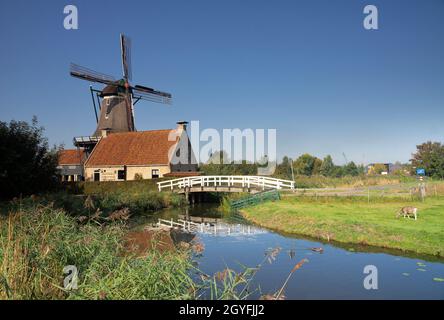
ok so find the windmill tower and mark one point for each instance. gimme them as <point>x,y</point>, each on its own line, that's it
<point>117,98</point>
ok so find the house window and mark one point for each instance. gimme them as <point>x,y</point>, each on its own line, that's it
<point>155,173</point>
<point>121,175</point>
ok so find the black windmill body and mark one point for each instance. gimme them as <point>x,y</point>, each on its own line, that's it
<point>118,98</point>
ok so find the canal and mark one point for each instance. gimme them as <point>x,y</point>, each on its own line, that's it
<point>336,272</point>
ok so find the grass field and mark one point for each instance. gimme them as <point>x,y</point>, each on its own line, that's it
<point>318,181</point>
<point>358,221</point>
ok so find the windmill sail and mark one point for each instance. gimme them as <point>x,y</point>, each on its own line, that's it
<point>125,45</point>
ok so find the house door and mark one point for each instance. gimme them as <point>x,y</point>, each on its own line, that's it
<point>96,175</point>
<point>155,173</point>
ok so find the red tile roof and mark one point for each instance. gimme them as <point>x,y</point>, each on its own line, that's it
<point>71,156</point>
<point>132,148</point>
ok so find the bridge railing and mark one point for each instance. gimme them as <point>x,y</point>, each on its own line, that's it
<point>260,182</point>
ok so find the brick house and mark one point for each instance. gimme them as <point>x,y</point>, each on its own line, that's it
<point>141,155</point>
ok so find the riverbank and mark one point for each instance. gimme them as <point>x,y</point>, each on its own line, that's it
<point>138,196</point>
<point>356,220</point>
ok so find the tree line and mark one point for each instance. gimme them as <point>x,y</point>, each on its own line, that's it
<point>429,156</point>
<point>308,165</point>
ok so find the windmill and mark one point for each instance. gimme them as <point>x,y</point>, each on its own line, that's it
<point>118,98</point>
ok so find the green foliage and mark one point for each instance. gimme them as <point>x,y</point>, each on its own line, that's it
<point>430,156</point>
<point>104,187</point>
<point>220,164</point>
<point>350,169</point>
<point>304,165</point>
<point>27,165</point>
<point>308,165</point>
<point>327,166</point>
<point>284,170</point>
<point>138,177</point>
<point>348,181</point>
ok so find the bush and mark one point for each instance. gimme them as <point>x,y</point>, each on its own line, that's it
<point>138,177</point>
<point>27,165</point>
<point>138,196</point>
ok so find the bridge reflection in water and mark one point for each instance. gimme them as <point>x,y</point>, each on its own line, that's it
<point>215,228</point>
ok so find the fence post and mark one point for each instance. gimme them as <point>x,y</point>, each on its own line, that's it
<point>368,194</point>
<point>423,191</point>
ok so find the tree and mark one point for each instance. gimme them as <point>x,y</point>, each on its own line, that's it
<point>337,172</point>
<point>283,169</point>
<point>350,169</point>
<point>327,166</point>
<point>220,164</point>
<point>437,164</point>
<point>317,164</point>
<point>430,156</point>
<point>27,165</point>
<point>304,165</point>
<point>361,169</point>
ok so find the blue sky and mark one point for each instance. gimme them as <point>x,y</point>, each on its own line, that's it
<point>307,68</point>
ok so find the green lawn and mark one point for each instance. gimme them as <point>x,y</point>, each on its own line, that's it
<point>357,221</point>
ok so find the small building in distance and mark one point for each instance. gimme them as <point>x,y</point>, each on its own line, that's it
<point>141,155</point>
<point>70,164</point>
<point>385,168</point>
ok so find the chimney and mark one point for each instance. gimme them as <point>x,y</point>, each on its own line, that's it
<point>104,133</point>
<point>182,125</point>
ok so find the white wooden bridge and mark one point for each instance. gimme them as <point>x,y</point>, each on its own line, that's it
<point>220,229</point>
<point>250,184</point>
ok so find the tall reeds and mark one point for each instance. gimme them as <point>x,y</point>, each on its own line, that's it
<point>37,242</point>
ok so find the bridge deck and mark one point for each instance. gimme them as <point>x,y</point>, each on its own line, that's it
<point>250,184</point>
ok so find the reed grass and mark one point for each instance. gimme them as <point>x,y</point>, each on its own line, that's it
<point>318,181</point>
<point>36,243</point>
